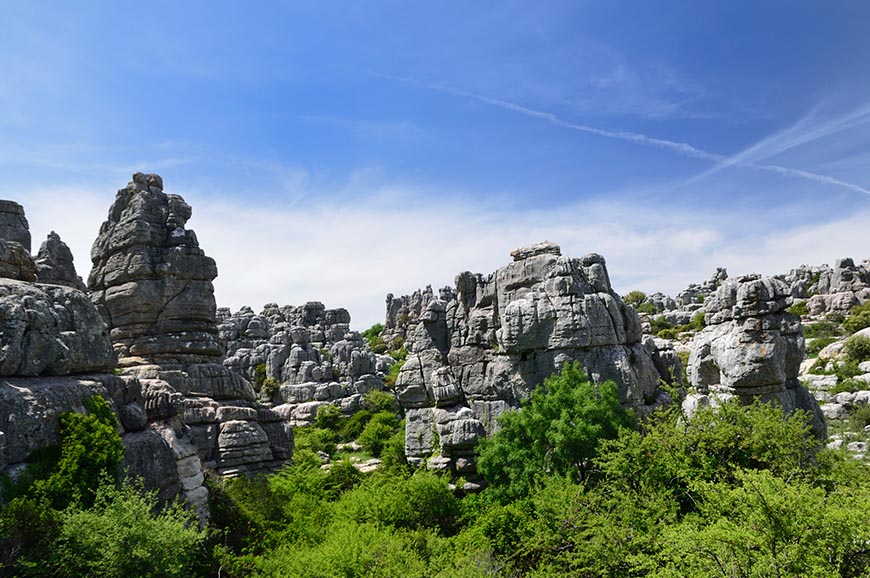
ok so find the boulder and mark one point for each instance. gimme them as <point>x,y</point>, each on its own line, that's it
<point>54,264</point>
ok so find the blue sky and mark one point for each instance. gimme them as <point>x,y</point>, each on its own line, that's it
<point>338,151</point>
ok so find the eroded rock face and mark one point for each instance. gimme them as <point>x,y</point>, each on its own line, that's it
<point>15,260</point>
<point>831,289</point>
<point>751,347</point>
<point>478,355</point>
<point>54,264</point>
<point>403,313</point>
<point>14,225</point>
<point>153,286</point>
<point>308,354</point>
<point>50,330</point>
<point>152,282</point>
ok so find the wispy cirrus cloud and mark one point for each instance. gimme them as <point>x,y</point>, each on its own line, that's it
<point>682,148</point>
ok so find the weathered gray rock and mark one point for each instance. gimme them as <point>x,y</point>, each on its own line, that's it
<point>50,330</point>
<point>477,355</point>
<point>752,347</point>
<point>54,264</point>
<point>13,224</point>
<point>152,282</point>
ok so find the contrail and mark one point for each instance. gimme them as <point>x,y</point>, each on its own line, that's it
<point>681,148</point>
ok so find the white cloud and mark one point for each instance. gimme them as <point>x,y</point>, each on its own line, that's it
<point>351,255</point>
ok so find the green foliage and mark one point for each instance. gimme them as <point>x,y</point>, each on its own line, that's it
<point>800,309</point>
<point>315,439</point>
<point>400,354</point>
<point>857,348</point>
<point>90,449</point>
<point>821,329</point>
<point>352,427</point>
<point>647,308</point>
<point>393,457</point>
<point>377,401</point>
<point>697,323</point>
<point>259,376</point>
<point>373,336</point>
<point>819,343</point>
<point>270,387</point>
<point>859,318</point>
<point>634,298</point>
<point>658,324</point>
<point>556,432</point>
<point>327,417</point>
<point>393,374</point>
<point>848,385</point>
<point>381,427</point>
<point>860,418</point>
<point>120,537</point>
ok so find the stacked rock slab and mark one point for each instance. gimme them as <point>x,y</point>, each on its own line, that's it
<point>153,286</point>
<point>403,313</point>
<point>55,353</point>
<point>308,354</point>
<point>751,348</point>
<point>15,259</point>
<point>478,355</point>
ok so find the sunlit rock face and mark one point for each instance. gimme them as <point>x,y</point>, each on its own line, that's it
<point>752,347</point>
<point>479,354</point>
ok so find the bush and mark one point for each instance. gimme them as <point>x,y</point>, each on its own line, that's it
<point>315,439</point>
<point>259,376</point>
<point>373,336</point>
<point>860,418</point>
<point>327,417</point>
<point>634,298</point>
<point>859,318</point>
<point>556,432</point>
<point>848,385</point>
<point>857,348</point>
<point>647,308</point>
<point>393,374</point>
<point>819,343</point>
<point>800,309</point>
<point>658,324</point>
<point>821,329</point>
<point>378,401</point>
<point>353,426</point>
<point>671,333</point>
<point>380,428</point>
<point>270,387</point>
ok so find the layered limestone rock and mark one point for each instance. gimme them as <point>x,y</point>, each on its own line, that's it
<point>751,348</point>
<point>478,355</point>
<point>301,358</point>
<point>54,264</point>
<point>403,313</point>
<point>15,259</point>
<point>153,286</point>
<point>688,302</point>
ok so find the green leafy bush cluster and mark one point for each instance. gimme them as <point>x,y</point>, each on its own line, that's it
<point>858,319</point>
<point>819,343</point>
<point>857,348</point>
<point>822,329</point>
<point>76,515</point>
<point>634,298</point>
<point>800,309</point>
<point>647,308</point>
<point>661,328</point>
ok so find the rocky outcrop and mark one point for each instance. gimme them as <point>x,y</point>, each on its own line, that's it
<point>54,264</point>
<point>478,355</point>
<point>301,358</point>
<point>751,348</point>
<point>50,330</point>
<point>153,286</point>
<point>403,313</point>
<point>15,260</point>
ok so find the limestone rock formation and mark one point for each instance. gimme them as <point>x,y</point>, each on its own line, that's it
<point>54,264</point>
<point>308,354</point>
<point>751,348</point>
<point>479,354</point>
<point>403,313</point>
<point>15,259</point>
<point>153,286</point>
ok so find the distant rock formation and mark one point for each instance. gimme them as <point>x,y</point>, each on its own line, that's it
<point>478,355</point>
<point>403,313</point>
<point>54,264</point>
<point>153,286</point>
<point>751,348</point>
<point>309,355</point>
<point>15,260</point>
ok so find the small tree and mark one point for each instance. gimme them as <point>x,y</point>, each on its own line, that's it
<point>556,432</point>
<point>635,298</point>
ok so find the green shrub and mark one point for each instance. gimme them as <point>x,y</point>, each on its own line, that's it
<point>858,319</point>
<point>378,401</point>
<point>393,458</point>
<point>671,333</point>
<point>857,348</point>
<point>315,439</point>
<point>859,418</point>
<point>352,427</point>
<point>647,308</point>
<point>634,298</point>
<point>557,431</point>
<point>848,385</point>
<point>259,376</point>
<point>270,387</point>
<point>121,537</point>
<point>698,323</point>
<point>373,336</point>
<point>658,324</point>
<point>327,417</point>
<point>380,428</point>
<point>393,374</point>
<point>821,329</point>
<point>819,343</point>
<point>400,353</point>
<point>800,309</point>
<point>342,476</point>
